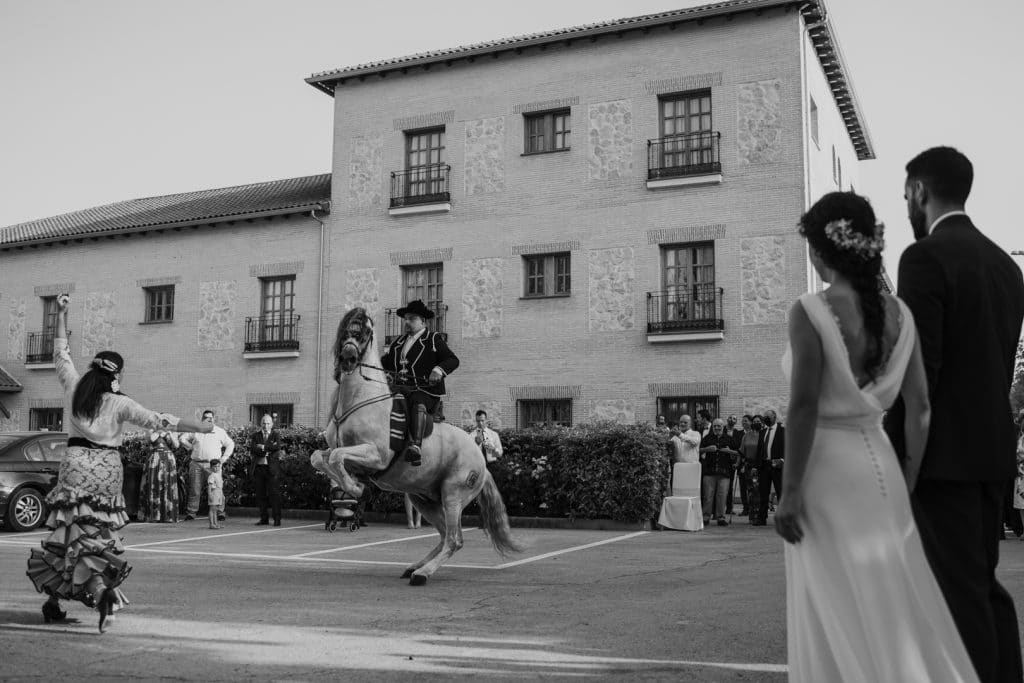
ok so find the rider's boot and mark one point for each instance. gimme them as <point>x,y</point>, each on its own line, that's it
<point>417,426</point>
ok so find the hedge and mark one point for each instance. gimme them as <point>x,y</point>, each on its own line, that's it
<point>603,471</point>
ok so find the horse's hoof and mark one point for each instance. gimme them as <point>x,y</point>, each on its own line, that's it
<point>418,580</point>
<point>407,573</point>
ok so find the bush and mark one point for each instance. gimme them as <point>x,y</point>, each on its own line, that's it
<point>607,470</point>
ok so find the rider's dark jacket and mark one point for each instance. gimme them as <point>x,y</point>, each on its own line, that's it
<point>428,352</point>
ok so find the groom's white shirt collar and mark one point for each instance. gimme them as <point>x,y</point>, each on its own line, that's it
<point>944,217</point>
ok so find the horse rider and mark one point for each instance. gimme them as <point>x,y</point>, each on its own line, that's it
<point>418,361</point>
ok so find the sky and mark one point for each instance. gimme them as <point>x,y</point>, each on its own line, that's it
<point>108,100</point>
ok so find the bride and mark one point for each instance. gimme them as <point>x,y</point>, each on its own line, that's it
<point>862,603</point>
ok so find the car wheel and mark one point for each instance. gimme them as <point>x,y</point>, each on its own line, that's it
<point>26,511</point>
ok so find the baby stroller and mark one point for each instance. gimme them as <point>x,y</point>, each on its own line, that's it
<point>338,503</point>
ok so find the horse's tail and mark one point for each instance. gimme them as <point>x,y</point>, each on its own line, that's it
<point>494,519</point>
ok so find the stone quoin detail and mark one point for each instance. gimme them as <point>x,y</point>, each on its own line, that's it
<point>98,323</point>
<point>618,410</point>
<point>362,288</point>
<point>759,122</point>
<point>763,295</point>
<point>366,172</point>
<point>16,331</point>
<point>485,156</point>
<point>217,306</point>
<point>610,139</point>
<point>481,298</point>
<point>612,300</point>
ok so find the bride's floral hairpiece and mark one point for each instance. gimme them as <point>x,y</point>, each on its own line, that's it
<point>840,232</point>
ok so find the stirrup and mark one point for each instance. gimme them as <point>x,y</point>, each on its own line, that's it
<point>412,455</point>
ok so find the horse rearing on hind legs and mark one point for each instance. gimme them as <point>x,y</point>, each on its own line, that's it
<point>358,435</point>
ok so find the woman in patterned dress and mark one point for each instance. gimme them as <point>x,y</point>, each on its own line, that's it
<point>81,560</point>
<point>160,503</point>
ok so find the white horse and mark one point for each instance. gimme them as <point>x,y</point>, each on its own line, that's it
<point>453,472</point>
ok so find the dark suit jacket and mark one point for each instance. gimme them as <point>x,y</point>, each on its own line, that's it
<point>427,352</point>
<point>274,449</point>
<point>967,297</point>
<point>778,445</point>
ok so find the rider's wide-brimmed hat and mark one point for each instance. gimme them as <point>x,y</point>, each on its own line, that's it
<point>416,307</point>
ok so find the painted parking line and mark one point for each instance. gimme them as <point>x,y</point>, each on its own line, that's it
<point>294,559</point>
<point>573,549</point>
<point>367,545</point>
<point>210,536</point>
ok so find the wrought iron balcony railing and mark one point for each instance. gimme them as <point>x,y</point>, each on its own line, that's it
<point>39,347</point>
<point>421,185</point>
<point>684,155</point>
<point>394,327</point>
<point>694,308</point>
<point>274,332</point>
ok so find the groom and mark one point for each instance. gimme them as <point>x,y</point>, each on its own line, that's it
<point>967,297</point>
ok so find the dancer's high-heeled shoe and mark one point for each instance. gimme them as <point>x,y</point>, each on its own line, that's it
<point>52,612</point>
<point>105,606</point>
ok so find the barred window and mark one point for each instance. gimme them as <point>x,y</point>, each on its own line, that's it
<point>674,407</point>
<point>281,412</point>
<point>159,304</point>
<point>46,419</point>
<point>548,411</point>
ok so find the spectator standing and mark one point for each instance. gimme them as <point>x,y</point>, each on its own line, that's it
<point>736,434</point>
<point>770,459</point>
<point>413,518</point>
<point>747,426</point>
<point>216,445</point>
<point>1018,488</point>
<point>661,425</point>
<point>266,448</point>
<point>486,438</point>
<point>689,441</point>
<point>703,422</point>
<point>160,486</point>
<point>719,464</point>
<point>215,493</point>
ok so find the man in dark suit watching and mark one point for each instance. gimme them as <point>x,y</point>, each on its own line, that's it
<point>771,454</point>
<point>265,470</point>
<point>967,297</point>
<point>419,361</point>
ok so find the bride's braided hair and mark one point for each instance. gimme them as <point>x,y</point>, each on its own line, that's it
<point>858,258</point>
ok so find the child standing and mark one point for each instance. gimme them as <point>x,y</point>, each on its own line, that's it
<point>215,492</point>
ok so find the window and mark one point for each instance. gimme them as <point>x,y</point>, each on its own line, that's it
<point>46,419</point>
<point>814,121</point>
<point>49,316</point>
<point>688,274</point>
<point>159,304</point>
<point>674,407</point>
<point>424,161</point>
<point>547,275</point>
<point>281,412</point>
<point>424,282</point>
<point>548,411</point>
<point>688,139</point>
<point>547,131</point>
<point>277,309</point>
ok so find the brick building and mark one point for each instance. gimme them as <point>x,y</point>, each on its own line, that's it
<point>602,216</point>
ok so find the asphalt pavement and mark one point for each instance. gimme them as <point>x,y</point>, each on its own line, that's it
<point>298,603</point>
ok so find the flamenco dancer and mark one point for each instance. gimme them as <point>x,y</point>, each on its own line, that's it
<point>81,560</point>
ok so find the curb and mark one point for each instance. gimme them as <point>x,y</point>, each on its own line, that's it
<point>398,517</point>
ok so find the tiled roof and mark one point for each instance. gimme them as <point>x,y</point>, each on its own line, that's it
<point>7,383</point>
<point>188,208</point>
<point>814,12</point>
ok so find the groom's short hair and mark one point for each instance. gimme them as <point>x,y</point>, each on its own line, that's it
<point>945,171</point>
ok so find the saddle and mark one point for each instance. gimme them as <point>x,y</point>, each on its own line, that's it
<point>400,425</point>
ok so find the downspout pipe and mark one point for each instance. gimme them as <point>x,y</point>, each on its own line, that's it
<point>319,320</point>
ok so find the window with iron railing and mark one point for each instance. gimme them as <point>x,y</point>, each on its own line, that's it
<point>688,144</point>
<point>425,178</point>
<point>277,326</point>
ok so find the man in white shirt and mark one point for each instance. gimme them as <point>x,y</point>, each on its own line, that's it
<point>216,445</point>
<point>685,442</point>
<point>487,439</point>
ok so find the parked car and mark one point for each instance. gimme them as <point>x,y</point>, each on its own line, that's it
<point>29,462</point>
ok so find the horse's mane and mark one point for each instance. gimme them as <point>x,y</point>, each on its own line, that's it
<point>357,315</point>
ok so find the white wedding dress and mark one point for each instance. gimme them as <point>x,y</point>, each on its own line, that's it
<point>862,604</point>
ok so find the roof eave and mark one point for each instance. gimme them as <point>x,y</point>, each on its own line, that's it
<point>270,213</point>
<point>325,81</point>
